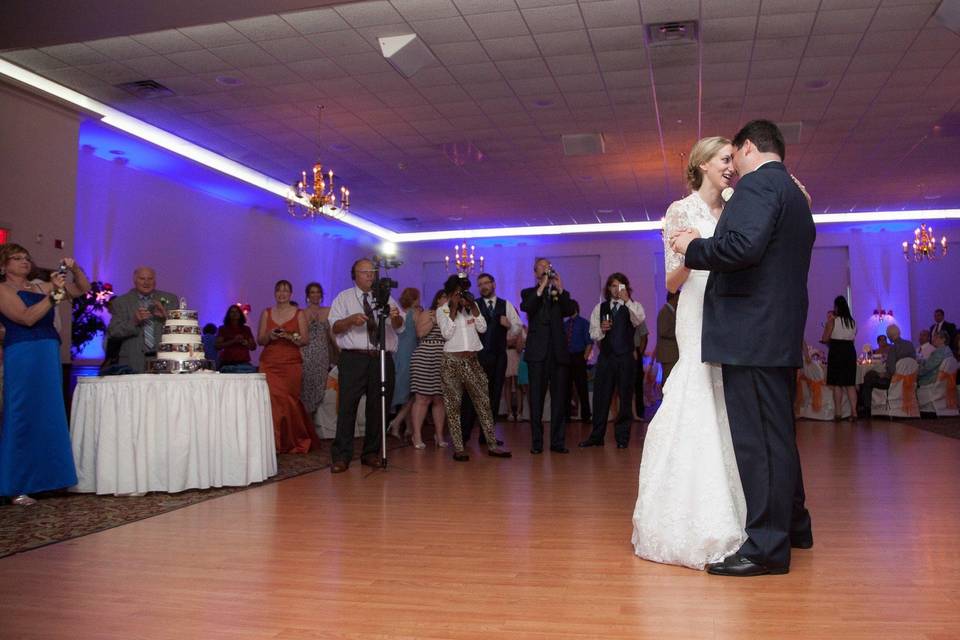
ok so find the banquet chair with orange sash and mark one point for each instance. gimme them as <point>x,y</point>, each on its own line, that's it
<point>900,400</point>
<point>941,396</point>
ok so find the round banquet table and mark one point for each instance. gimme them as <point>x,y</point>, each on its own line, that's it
<point>170,432</point>
<point>865,367</point>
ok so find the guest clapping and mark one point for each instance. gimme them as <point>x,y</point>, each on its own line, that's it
<point>283,330</point>
<point>461,324</point>
<point>35,451</point>
<point>137,318</point>
<point>234,341</point>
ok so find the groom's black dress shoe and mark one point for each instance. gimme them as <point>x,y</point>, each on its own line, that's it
<point>801,542</point>
<point>590,442</point>
<point>536,450</point>
<point>741,567</point>
<point>559,449</point>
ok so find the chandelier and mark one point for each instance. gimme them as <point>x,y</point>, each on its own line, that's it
<point>317,197</point>
<point>924,245</point>
<point>463,261</point>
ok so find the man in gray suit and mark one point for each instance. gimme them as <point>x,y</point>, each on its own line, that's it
<point>899,350</point>
<point>137,319</point>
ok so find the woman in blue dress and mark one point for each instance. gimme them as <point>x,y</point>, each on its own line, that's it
<point>35,451</point>
<point>407,342</point>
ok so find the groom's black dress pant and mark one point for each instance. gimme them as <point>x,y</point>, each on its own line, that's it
<point>760,407</point>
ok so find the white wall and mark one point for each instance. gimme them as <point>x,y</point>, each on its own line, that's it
<point>878,275</point>
<point>212,251</point>
<point>38,145</point>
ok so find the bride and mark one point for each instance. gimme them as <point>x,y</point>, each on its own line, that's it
<point>690,509</point>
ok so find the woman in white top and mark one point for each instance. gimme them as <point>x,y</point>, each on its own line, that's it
<point>839,332</point>
<point>460,323</point>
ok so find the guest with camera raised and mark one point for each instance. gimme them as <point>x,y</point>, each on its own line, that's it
<point>461,324</point>
<point>137,318</point>
<point>354,321</point>
<point>612,325</point>
<point>546,305</point>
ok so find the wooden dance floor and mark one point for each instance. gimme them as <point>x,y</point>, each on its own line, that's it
<point>533,547</point>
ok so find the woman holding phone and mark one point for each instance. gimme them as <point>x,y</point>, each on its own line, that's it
<point>282,331</point>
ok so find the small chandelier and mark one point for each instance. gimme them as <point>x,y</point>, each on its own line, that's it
<point>463,261</point>
<point>321,201</point>
<point>924,245</point>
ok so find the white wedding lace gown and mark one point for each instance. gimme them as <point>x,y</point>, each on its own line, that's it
<point>690,508</point>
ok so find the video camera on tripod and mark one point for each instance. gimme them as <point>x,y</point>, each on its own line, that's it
<point>383,285</point>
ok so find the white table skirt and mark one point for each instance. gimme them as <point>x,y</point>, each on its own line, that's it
<point>171,432</point>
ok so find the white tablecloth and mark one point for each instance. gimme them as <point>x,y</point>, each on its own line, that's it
<point>171,432</point>
<point>864,368</point>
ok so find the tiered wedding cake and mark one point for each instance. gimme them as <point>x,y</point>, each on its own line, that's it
<point>181,349</point>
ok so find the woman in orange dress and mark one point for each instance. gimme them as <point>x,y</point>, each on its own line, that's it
<point>283,330</point>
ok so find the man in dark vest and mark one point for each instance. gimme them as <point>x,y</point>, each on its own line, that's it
<point>613,324</point>
<point>546,304</point>
<point>503,322</point>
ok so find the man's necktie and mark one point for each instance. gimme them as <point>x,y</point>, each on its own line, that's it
<point>371,320</point>
<point>490,306</point>
<point>149,338</point>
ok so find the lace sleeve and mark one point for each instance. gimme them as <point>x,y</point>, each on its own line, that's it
<point>675,219</point>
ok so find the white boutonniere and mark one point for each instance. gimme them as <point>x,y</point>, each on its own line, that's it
<point>726,194</point>
<point>446,311</point>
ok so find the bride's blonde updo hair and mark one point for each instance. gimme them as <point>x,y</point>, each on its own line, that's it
<point>703,151</point>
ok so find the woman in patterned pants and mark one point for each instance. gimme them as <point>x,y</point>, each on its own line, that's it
<point>460,324</point>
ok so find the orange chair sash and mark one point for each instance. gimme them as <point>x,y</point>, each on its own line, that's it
<point>909,399</point>
<point>816,394</point>
<point>950,380</point>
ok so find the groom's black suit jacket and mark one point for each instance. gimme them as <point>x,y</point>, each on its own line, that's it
<point>755,305</point>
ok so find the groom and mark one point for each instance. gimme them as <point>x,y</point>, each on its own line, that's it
<point>754,311</point>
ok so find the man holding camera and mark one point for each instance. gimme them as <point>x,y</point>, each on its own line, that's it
<point>546,305</point>
<point>137,318</point>
<point>354,322</point>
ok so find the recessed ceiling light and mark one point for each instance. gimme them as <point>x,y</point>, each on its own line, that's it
<point>586,178</point>
<point>118,152</point>
<point>229,81</point>
<point>340,146</point>
<point>542,103</point>
<point>816,85</point>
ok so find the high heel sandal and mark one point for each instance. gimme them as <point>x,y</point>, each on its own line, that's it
<point>24,500</point>
<point>443,444</point>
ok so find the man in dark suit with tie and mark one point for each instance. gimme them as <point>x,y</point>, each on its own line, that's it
<point>546,305</point>
<point>754,311</point>
<point>940,324</point>
<point>502,322</point>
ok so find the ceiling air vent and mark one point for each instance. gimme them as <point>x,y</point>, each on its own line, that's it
<point>790,131</point>
<point>582,144</point>
<point>146,89</point>
<point>666,33</point>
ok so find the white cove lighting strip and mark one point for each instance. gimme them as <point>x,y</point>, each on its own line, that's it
<point>191,151</point>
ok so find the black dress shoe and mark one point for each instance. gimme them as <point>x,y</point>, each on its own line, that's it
<point>461,456</point>
<point>536,450</point>
<point>621,445</point>
<point>742,567</point>
<point>371,460</point>
<point>590,442</point>
<point>801,542</point>
<point>559,449</point>
<point>339,466</point>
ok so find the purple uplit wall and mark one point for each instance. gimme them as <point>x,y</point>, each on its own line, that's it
<point>211,239</point>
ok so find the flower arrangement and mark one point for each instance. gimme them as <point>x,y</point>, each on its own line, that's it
<point>88,312</point>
